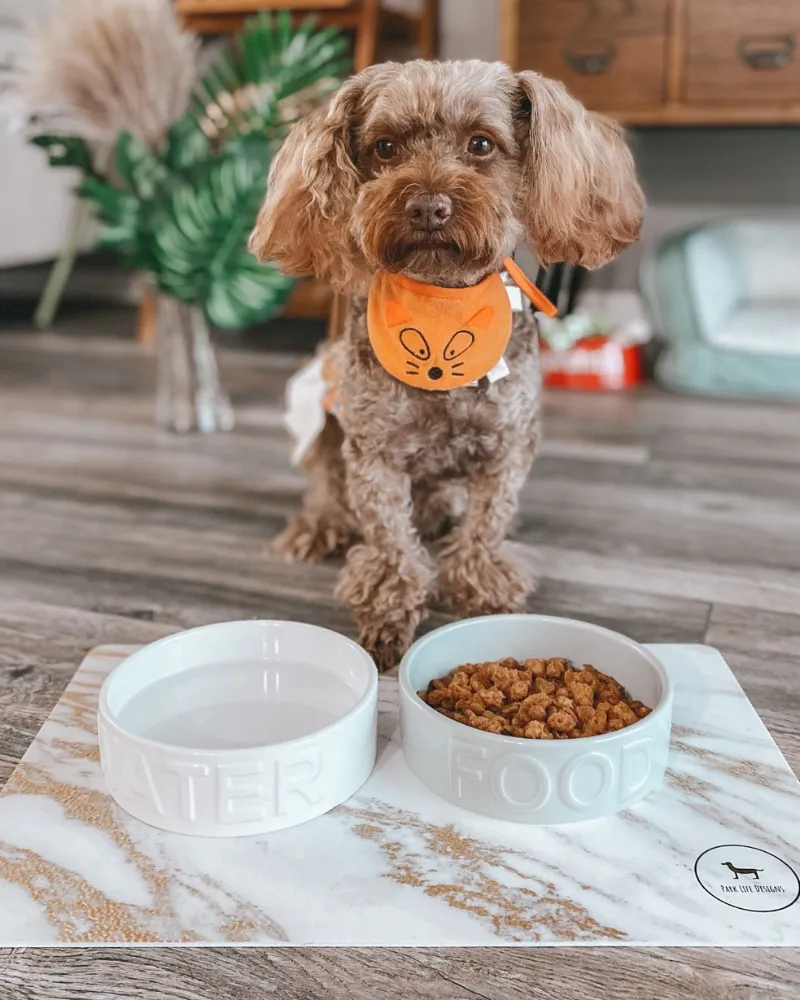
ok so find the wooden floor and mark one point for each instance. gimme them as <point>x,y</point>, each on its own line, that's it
<point>666,518</point>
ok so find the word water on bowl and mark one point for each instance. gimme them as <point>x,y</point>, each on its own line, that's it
<point>238,705</point>
<point>238,728</point>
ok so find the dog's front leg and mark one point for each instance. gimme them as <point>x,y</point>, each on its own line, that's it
<point>478,575</point>
<point>386,579</point>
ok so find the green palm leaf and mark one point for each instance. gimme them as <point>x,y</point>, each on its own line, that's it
<point>268,77</point>
<point>66,151</point>
<point>121,216</point>
<point>197,246</point>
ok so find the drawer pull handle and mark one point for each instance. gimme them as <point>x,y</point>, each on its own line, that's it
<point>591,63</point>
<point>767,51</point>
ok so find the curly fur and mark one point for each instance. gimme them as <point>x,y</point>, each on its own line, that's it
<point>400,465</point>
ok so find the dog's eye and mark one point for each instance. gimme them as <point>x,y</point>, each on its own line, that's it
<point>385,149</point>
<point>480,145</point>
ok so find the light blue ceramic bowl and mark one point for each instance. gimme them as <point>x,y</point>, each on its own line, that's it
<point>535,781</point>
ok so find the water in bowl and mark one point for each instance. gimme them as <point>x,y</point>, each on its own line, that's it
<point>227,706</point>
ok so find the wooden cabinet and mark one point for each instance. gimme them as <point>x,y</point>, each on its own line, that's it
<point>743,52</point>
<point>597,52</point>
<point>665,62</point>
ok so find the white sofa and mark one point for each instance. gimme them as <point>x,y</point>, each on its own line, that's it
<point>35,200</point>
<point>726,299</point>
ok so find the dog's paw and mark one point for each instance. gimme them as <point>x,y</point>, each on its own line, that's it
<point>477,581</point>
<point>388,595</point>
<point>386,643</point>
<point>310,539</point>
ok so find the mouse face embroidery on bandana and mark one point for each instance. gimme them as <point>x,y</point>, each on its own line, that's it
<point>443,338</point>
<point>438,338</point>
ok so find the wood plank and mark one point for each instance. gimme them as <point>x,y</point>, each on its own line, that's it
<point>701,115</point>
<point>748,629</point>
<point>250,6</point>
<point>676,52</point>
<point>772,682</point>
<point>750,586</point>
<point>661,522</point>
<point>415,974</point>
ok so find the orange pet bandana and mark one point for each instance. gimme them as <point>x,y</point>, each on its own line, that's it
<point>442,338</point>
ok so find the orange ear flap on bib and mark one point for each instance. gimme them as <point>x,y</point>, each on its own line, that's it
<point>482,320</point>
<point>396,314</point>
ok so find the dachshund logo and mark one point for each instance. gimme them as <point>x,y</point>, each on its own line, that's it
<point>747,878</point>
<point>742,871</point>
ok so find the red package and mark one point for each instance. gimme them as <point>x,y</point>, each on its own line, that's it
<point>596,364</point>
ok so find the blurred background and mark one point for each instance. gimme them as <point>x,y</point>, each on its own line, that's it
<point>709,89</point>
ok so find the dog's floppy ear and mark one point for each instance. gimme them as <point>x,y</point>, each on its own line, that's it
<point>303,224</point>
<point>580,201</point>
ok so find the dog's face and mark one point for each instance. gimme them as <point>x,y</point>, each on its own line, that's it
<point>438,159</point>
<point>436,169</point>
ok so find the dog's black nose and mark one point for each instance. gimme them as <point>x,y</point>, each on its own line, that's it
<point>429,212</point>
<point>435,373</point>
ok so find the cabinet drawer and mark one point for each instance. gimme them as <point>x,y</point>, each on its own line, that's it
<point>743,52</point>
<point>610,54</point>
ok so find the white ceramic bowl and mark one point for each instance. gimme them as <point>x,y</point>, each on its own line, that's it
<point>239,728</point>
<point>535,781</point>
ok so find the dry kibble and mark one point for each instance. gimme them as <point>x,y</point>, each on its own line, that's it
<point>556,667</point>
<point>492,697</point>
<point>534,707</point>
<point>536,667</point>
<point>489,724</point>
<point>535,699</point>
<point>519,690</point>
<point>562,721</point>
<point>612,695</point>
<point>437,696</point>
<point>535,730</point>
<point>582,694</point>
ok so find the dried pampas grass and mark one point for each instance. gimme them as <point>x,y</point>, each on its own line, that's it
<point>97,67</point>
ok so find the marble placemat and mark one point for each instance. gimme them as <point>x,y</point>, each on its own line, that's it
<point>710,861</point>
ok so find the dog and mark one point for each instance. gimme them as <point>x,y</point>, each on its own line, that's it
<point>434,171</point>
<point>742,871</point>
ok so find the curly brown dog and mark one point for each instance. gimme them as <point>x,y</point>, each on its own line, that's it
<point>435,171</point>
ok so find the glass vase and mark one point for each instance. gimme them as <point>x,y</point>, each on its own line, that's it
<point>189,394</point>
